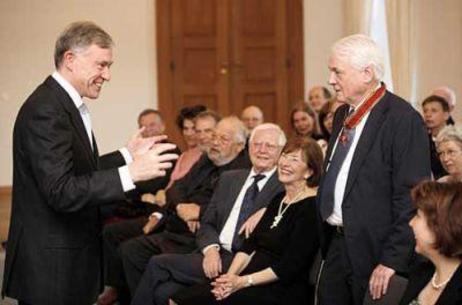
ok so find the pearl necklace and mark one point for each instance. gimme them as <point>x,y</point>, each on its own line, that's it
<point>440,285</point>
<point>281,211</point>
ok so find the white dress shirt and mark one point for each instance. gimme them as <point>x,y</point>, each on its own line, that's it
<point>227,233</point>
<point>336,218</point>
<point>125,178</point>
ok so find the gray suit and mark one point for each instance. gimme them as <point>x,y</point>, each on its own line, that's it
<point>165,274</point>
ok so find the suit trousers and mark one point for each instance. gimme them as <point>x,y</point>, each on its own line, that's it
<point>338,285</point>
<point>136,252</point>
<point>166,274</point>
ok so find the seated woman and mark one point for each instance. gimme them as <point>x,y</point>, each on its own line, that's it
<point>449,149</point>
<point>304,121</point>
<point>273,265</point>
<point>192,153</point>
<point>438,233</point>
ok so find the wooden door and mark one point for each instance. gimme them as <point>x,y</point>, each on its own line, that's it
<point>228,54</point>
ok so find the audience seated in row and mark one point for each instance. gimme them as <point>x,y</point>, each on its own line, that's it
<point>272,265</point>
<point>173,227</point>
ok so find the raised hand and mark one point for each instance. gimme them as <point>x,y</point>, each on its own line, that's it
<point>153,163</point>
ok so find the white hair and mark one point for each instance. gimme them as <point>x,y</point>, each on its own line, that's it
<point>450,133</point>
<point>447,93</point>
<point>270,126</point>
<point>360,51</point>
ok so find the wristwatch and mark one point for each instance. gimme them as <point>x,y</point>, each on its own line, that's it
<point>249,281</point>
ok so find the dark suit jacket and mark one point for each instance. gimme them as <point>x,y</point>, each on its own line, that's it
<point>451,295</point>
<point>53,251</point>
<point>223,199</point>
<point>392,155</point>
<point>197,186</point>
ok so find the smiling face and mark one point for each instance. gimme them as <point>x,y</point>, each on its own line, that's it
<point>153,125</point>
<point>303,123</point>
<point>88,69</point>
<point>424,237</point>
<point>264,150</point>
<point>292,169</point>
<point>189,133</point>
<point>224,145</point>
<point>316,98</point>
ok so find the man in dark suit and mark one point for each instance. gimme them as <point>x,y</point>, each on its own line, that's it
<point>218,237</point>
<point>177,222</point>
<point>376,154</point>
<point>59,181</point>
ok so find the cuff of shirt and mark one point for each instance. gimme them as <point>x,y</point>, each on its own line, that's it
<point>210,246</point>
<point>157,215</point>
<point>126,179</point>
<point>126,155</point>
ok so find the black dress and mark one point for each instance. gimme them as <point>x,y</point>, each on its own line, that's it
<point>288,249</point>
<point>419,278</point>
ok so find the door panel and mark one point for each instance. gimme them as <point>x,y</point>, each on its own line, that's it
<point>228,54</point>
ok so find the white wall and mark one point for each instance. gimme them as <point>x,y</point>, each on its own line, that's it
<point>438,32</point>
<point>28,30</point>
<point>323,25</point>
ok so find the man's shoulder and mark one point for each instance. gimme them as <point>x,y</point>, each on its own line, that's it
<point>397,104</point>
<point>235,174</point>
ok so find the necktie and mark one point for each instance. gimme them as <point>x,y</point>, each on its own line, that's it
<point>330,179</point>
<point>246,208</point>
<point>85,114</point>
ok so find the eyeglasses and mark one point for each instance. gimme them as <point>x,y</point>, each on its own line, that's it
<point>448,153</point>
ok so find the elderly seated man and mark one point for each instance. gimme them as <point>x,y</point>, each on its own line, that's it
<point>172,228</point>
<point>239,194</point>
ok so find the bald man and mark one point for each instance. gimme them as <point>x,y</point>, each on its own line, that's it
<point>252,116</point>
<point>318,96</point>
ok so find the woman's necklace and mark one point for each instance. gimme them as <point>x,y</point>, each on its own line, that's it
<point>281,211</point>
<point>442,284</point>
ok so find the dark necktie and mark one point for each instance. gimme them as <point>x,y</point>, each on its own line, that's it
<point>330,179</point>
<point>246,208</point>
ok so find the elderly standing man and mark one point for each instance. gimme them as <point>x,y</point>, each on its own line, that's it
<point>59,181</point>
<point>377,152</point>
<point>252,116</point>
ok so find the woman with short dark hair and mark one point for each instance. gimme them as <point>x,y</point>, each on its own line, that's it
<point>272,267</point>
<point>437,228</point>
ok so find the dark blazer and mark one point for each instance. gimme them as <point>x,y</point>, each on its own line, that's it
<point>451,295</point>
<point>223,199</point>
<point>391,156</point>
<point>54,249</point>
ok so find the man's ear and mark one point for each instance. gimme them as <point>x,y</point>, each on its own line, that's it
<point>68,60</point>
<point>368,74</point>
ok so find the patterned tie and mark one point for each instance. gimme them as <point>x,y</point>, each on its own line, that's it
<point>246,208</point>
<point>330,179</point>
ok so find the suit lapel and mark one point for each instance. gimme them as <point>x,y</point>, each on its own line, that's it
<point>453,291</point>
<point>74,113</point>
<point>337,127</point>
<point>367,138</point>
<point>234,190</point>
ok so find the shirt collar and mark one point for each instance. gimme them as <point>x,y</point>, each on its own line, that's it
<point>75,96</point>
<point>364,98</point>
<point>267,174</point>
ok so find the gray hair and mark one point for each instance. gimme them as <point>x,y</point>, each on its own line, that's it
<point>270,126</point>
<point>450,133</point>
<point>360,51</point>
<point>80,35</point>
<point>240,131</point>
